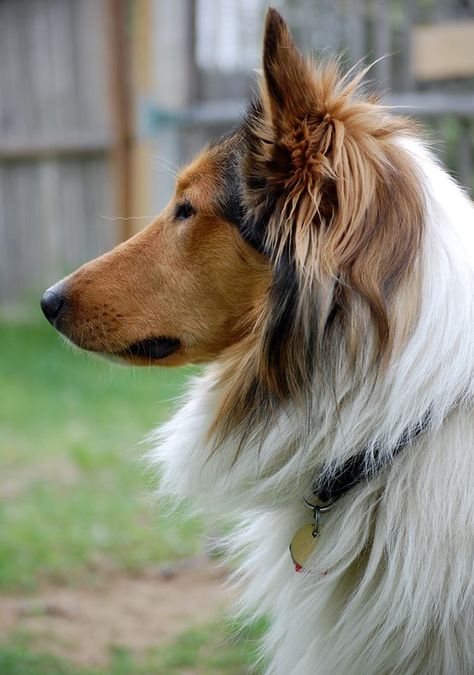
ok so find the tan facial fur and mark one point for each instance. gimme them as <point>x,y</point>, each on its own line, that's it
<point>195,280</point>
<point>325,187</point>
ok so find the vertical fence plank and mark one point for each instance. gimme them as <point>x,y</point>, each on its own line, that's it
<point>13,83</point>
<point>38,49</point>
<point>407,81</point>
<point>63,76</point>
<point>53,78</point>
<point>440,138</point>
<point>4,253</point>
<point>322,28</point>
<point>439,10</point>
<point>382,42</point>
<point>464,153</point>
<point>52,86</point>
<point>356,32</point>
<point>90,19</point>
<point>121,115</point>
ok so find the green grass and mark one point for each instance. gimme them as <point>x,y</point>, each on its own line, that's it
<point>70,462</point>
<point>74,496</point>
<point>211,650</point>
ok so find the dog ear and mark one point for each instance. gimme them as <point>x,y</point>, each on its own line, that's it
<point>288,80</point>
<point>284,136</point>
<point>292,142</point>
<point>332,195</point>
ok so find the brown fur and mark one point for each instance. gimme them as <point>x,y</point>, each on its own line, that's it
<point>196,280</point>
<point>350,205</point>
<point>348,209</point>
<point>336,202</point>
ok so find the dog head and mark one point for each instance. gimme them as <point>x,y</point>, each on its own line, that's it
<point>295,231</point>
<point>181,290</point>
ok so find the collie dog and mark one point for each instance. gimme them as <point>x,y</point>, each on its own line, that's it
<point>321,262</point>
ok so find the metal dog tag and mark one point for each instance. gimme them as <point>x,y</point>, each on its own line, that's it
<point>302,545</point>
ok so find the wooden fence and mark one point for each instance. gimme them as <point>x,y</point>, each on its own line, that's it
<point>66,127</point>
<point>423,64</point>
<point>422,53</point>
<point>56,138</point>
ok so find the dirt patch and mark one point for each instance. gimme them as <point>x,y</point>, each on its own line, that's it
<point>136,613</point>
<point>17,481</point>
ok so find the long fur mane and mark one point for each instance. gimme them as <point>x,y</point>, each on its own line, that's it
<point>367,325</point>
<point>335,201</point>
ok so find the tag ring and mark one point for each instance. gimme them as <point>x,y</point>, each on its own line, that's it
<point>317,518</point>
<point>322,507</point>
<point>317,510</point>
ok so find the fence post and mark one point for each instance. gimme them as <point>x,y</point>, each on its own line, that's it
<point>464,153</point>
<point>121,115</point>
<point>175,86</point>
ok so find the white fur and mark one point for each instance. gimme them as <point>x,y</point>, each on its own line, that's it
<point>390,587</point>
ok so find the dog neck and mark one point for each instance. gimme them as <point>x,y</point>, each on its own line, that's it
<point>340,479</point>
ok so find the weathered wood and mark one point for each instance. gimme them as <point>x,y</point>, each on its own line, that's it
<point>440,9</point>
<point>434,104</point>
<point>57,206</point>
<point>174,67</point>
<point>54,140</point>
<point>408,11</point>
<point>121,115</point>
<point>464,153</point>
<point>444,50</point>
<point>36,148</point>
<point>382,42</point>
<point>356,29</point>
<point>228,112</point>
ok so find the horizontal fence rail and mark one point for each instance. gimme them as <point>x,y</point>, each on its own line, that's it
<point>55,141</point>
<point>448,120</point>
<point>71,152</point>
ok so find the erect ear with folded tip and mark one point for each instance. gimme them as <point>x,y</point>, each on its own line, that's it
<point>328,182</point>
<point>288,79</point>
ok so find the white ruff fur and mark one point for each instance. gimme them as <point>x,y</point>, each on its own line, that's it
<point>390,586</point>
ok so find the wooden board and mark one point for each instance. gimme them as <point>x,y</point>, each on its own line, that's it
<point>55,202</point>
<point>443,50</point>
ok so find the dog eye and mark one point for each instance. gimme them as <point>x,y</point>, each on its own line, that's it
<point>184,211</point>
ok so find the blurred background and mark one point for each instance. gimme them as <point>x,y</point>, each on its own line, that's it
<point>101,102</point>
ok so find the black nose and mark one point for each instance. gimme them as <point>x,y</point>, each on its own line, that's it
<point>52,303</point>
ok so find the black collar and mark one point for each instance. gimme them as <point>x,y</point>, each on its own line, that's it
<point>354,470</point>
